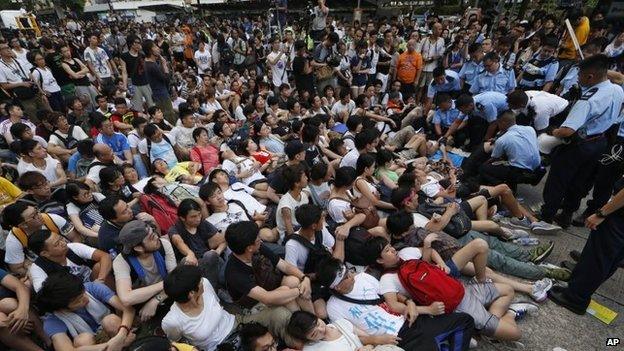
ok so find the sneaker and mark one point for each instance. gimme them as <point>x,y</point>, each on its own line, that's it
<point>540,253</point>
<point>540,289</point>
<point>523,223</point>
<point>579,220</point>
<point>522,309</point>
<point>543,228</point>
<point>511,234</point>
<point>473,344</point>
<point>558,273</point>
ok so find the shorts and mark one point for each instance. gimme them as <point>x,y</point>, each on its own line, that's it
<point>455,273</point>
<point>465,206</point>
<point>477,298</point>
<point>425,79</point>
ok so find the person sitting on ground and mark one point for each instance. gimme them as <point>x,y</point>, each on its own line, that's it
<point>78,312</point>
<point>36,158</point>
<point>409,331</point>
<point>256,337</point>
<point>104,157</point>
<point>82,209</point>
<point>252,198</point>
<point>141,266</point>
<point>296,180</point>
<point>38,192</point>
<point>55,254</point>
<point>295,151</point>
<point>198,241</point>
<point>498,321</point>
<point>117,141</point>
<point>23,220</point>
<point>157,145</point>
<point>78,164</point>
<point>116,213</point>
<point>123,117</point>
<point>65,137</point>
<point>204,152</point>
<point>21,131</point>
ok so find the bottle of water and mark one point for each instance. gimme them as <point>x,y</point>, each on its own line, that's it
<point>526,241</point>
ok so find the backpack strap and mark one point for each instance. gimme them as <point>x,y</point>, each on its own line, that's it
<point>49,223</point>
<point>318,239</point>
<point>136,269</point>
<point>371,302</point>
<point>240,204</point>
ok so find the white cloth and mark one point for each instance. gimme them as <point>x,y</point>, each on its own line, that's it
<point>49,171</point>
<point>77,133</point>
<point>38,276</point>
<point>99,59</point>
<point>44,77</point>
<point>204,331</point>
<point>278,69</point>
<point>241,192</point>
<point>297,254</point>
<point>546,105</point>
<point>343,343</point>
<point>203,59</point>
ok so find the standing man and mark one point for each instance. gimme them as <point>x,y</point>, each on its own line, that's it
<point>409,67</point>
<point>278,60</point>
<point>319,21</point>
<point>573,164</point>
<point>432,49</point>
<point>133,75</point>
<point>157,72</point>
<point>99,63</point>
<point>602,254</point>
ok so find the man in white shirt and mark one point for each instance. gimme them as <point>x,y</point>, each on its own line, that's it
<point>536,107</point>
<point>365,141</point>
<point>98,62</point>
<point>21,54</point>
<point>278,60</point>
<point>432,49</point>
<point>203,59</point>
<point>55,254</point>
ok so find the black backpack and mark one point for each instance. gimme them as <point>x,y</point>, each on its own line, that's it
<point>226,55</point>
<point>316,252</point>
<point>70,142</point>
<point>50,267</point>
<point>354,246</point>
<point>457,227</point>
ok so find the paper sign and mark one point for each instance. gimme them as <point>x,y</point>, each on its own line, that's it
<point>602,313</point>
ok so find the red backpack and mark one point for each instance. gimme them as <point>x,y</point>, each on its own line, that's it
<point>427,283</point>
<point>163,210</point>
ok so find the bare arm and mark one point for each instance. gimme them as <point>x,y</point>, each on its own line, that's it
<point>130,297</point>
<point>80,227</point>
<point>106,264</point>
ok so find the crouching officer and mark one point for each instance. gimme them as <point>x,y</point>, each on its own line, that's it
<point>603,252</point>
<point>574,164</point>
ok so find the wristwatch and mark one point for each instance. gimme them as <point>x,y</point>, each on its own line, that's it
<point>160,299</point>
<point>600,214</point>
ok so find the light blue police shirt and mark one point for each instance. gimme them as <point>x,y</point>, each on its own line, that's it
<point>451,83</point>
<point>519,146</point>
<point>502,81</point>
<point>488,105</point>
<point>470,70</point>
<point>549,72</point>
<point>597,109</point>
<point>445,118</point>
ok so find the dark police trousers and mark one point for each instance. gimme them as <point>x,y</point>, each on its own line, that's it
<point>571,172</point>
<point>606,177</point>
<point>603,252</point>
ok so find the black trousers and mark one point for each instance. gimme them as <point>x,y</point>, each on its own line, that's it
<point>571,172</point>
<point>476,129</point>
<point>603,252</point>
<point>606,176</point>
<point>428,333</point>
<point>495,174</point>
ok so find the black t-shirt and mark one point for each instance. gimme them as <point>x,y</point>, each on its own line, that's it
<point>313,156</point>
<point>198,242</point>
<point>302,80</point>
<point>240,280</point>
<point>277,182</point>
<point>53,60</point>
<point>135,72</point>
<point>383,58</point>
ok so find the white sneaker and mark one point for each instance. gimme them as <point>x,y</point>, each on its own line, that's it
<point>522,309</point>
<point>473,344</point>
<point>544,228</point>
<point>512,234</point>
<point>540,289</point>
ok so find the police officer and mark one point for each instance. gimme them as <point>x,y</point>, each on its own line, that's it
<point>494,77</point>
<point>573,164</point>
<point>603,252</point>
<point>471,68</point>
<point>537,108</point>
<point>540,71</point>
<point>444,81</point>
<point>479,113</point>
<point>518,145</point>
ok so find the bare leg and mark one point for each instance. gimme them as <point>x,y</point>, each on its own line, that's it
<point>488,226</point>
<point>507,328</point>
<point>518,286</point>
<point>475,251</point>
<point>299,303</point>
<point>479,207</point>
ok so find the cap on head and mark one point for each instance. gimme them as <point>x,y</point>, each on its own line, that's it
<point>131,235</point>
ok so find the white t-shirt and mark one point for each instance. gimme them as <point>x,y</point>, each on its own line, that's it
<point>279,68</point>
<point>134,140</point>
<point>374,320</point>
<point>77,133</point>
<point>420,221</point>
<point>22,57</point>
<point>203,60</point>
<point>546,105</point>
<point>336,209</point>
<point>350,159</point>
<point>49,171</point>
<point>183,136</point>
<point>428,50</point>
<point>46,79</point>
<point>204,331</point>
<point>38,276</point>
<point>339,108</point>
<point>234,214</point>
<point>342,343</point>
<point>432,187</point>
<point>389,282</point>
<point>10,72</point>
<point>72,209</point>
<point>14,249</point>
<point>297,254</point>
<point>241,192</point>
<point>121,268</point>
<point>234,168</point>
<point>287,201</point>
<point>94,172</point>
<point>99,59</point>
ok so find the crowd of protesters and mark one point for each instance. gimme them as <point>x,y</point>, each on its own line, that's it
<point>260,184</point>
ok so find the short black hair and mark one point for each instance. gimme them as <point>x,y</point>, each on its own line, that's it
<point>186,206</point>
<point>365,137</point>
<point>308,214</point>
<point>150,130</point>
<point>491,56</point>
<point>399,194</point>
<point>207,190</point>
<point>599,63</point>
<point>85,148</point>
<point>464,100</point>
<point>137,121</point>
<point>249,333</point>
<point>30,180</point>
<point>239,236</point>
<point>353,122</point>
<point>517,99</point>
<point>399,222</point>
<point>36,241</point>
<point>181,281</point>
<point>58,290</point>
<point>318,171</point>
<point>474,47</point>
<point>363,162</point>
<point>106,207</point>
<point>197,132</point>
<point>344,177</point>
<point>12,215</point>
<point>327,270</point>
<point>28,146</point>
<point>309,133</point>
<point>300,324</point>
<point>18,129</point>
<point>292,175</point>
<point>439,72</point>
<point>373,248</point>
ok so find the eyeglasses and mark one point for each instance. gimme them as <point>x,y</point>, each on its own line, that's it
<point>33,217</point>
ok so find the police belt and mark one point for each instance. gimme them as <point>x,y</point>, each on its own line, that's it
<point>576,139</point>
